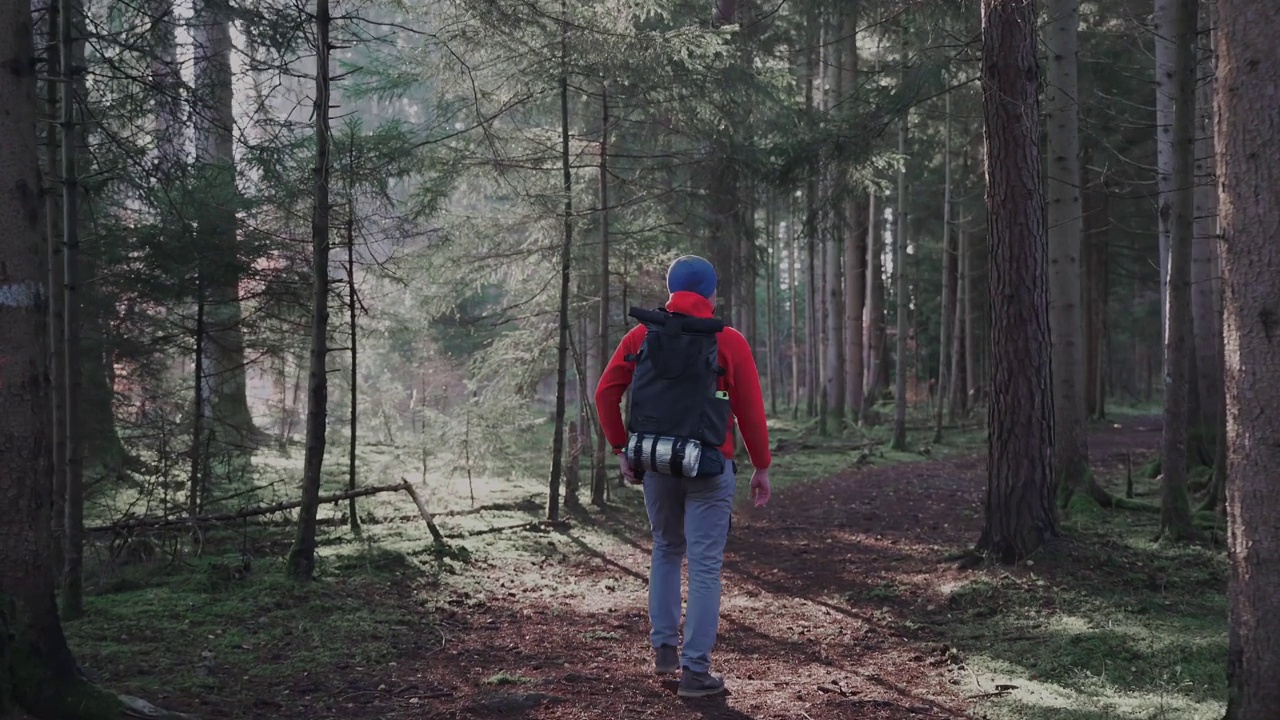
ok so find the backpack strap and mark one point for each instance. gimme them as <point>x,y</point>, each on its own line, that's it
<point>661,317</point>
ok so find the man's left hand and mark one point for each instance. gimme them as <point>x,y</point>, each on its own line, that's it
<point>628,475</point>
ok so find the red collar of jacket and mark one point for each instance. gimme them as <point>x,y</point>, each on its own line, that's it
<point>691,304</point>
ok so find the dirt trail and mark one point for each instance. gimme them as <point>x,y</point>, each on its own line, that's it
<point>819,593</point>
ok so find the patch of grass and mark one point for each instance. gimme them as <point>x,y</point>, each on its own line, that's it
<point>802,455</point>
<point>505,678</point>
<point>203,632</point>
<point>1109,625</point>
<point>883,591</point>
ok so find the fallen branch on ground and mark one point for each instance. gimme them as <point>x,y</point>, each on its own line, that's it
<point>422,508</point>
<point>155,523</point>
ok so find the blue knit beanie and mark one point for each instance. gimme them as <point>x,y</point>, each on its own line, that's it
<point>691,273</point>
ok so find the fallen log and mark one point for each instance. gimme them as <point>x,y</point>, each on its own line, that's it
<point>422,508</point>
<point>145,523</point>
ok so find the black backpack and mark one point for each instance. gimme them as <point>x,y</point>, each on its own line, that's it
<point>677,420</point>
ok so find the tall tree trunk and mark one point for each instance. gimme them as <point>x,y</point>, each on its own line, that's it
<point>900,218</point>
<point>855,251</point>
<point>812,310</point>
<point>53,215</point>
<point>28,612</point>
<point>835,240</point>
<point>1166,90</point>
<point>1177,205</point>
<point>793,277</point>
<point>875,331</point>
<point>198,481</point>
<point>855,275</point>
<point>948,272</point>
<point>600,480</point>
<point>970,334</point>
<point>957,390</point>
<point>1248,161</point>
<point>1020,512</point>
<point>38,673</point>
<point>747,268</point>
<point>774,358</point>
<point>1096,221</point>
<point>71,29</point>
<point>354,375</point>
<point>1071,438</point>
<point>302,556</point>
<point>822,332</point>
<point>1206,290</point>
<point>566,248</point>
<point>214,122</point>
<point>813,315</point>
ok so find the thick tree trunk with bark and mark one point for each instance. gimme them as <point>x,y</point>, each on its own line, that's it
<point>1065,230</point>
<point>1021,515</point>
<point>1206,288</point>
<point>53,215</point>
<point>214,122</point>
<point>835,243</point>
<point>302,556</point>
<point>38,673</point>
<point>1165,51</point>
<point>813,315</point>
<point>70,45</point>
<point>1096,223</point>
<point>1176,209</point>
<point>40,665</point>
<point>855,273</point>
<point>353,372</point>
<point>1248,160</point>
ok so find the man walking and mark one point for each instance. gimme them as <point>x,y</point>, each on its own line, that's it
<point>691,377</point>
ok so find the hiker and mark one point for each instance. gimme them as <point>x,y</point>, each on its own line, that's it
<point>691,377</point>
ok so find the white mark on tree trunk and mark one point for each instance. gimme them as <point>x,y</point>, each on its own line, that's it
<point>20,295</point>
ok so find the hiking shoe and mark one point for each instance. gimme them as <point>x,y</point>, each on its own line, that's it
<point>699,684</point>
<point>666,660</point>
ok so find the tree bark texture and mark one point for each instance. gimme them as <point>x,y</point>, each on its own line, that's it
<point>600,479</point>
<point>837,230</point>
<point>70,45</point>
<point>40,675</point>
<point>302,557</point>
<point>1097,220</point>
<point>53,216</point>
<point>1021,515</point>
<point>214,124</point>
<point>948,287</point>
<point>566,250</point>
<point>855,252</point>
<point>1248,161</point>
<point>874,330</point>
<point>899,440</point>
<point>1165,91</point>
<point>1206,287</point>
<point>1065,228</point>
<point>1176,209</point>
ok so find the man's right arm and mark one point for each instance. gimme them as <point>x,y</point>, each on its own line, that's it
<point>613,384</point>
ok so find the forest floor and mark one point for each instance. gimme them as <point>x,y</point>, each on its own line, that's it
<point>840,601</point>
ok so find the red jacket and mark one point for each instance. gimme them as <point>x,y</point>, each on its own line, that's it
<point>741,380</point>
